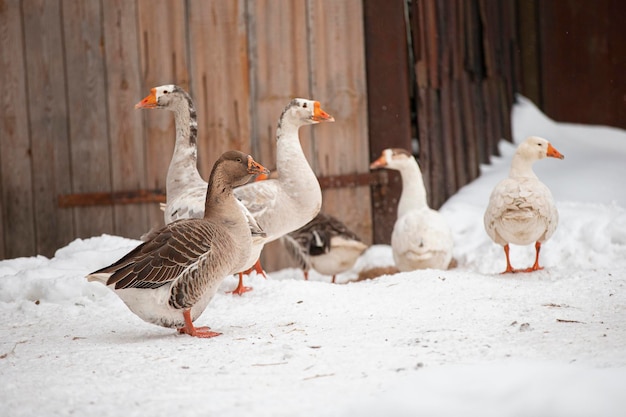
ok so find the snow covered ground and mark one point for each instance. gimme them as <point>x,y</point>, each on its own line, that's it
<point>465,342</point>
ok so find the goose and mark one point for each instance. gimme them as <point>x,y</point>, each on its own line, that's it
<point>521,208</point>
<point>185,188</point>
<point>283,204</point>
<point>324,244</point>
<point>170,279</point>
<point>421,237</point>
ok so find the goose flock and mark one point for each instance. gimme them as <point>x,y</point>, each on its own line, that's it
<point>218,228</point>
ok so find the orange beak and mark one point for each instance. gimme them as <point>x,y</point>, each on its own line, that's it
<point>379,163</point>
<point>320,115</point>
<point>255,168</point>
<point>552,152</point>
<point>150,102</point>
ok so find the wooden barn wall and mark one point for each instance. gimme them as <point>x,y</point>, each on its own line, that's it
<point>72,71</point>
<point>582,53</point>
<point>465,76</point>
<point>441,82</point>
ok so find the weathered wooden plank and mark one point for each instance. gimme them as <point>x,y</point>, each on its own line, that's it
<point>164,60</point>
<point>48,122</point>
<point>388,101</point>
<point>89,145</point>
<point>128,170</point>
<point>461,156</point>
<point>529,52</point>
<point>219,78</point>
<point>470,133</point>
<point>446,147</point>
<point>15,155</point>
<point>279,70</point>
<point>338,65</point>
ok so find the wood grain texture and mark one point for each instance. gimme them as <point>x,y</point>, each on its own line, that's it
<point>164,60</point>
<point>88,135</point>
<point>388,102</point>
<point>15,155</point>
<point>128,166</point>
<point>220,79</point>
<point>47,104</point>
<point>339,81</point>
<point>279,71</point>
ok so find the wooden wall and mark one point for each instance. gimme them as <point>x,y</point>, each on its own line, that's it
<point>464,62</point>
<point>72,71</point>
<point>444,91</point>
<point>582,54</point>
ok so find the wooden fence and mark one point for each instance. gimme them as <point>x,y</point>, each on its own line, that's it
<point>72,71</point>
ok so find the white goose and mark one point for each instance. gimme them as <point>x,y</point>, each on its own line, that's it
<point>324,244</point>
<point>169,279</point>
<point>421,237</point>
<point>185,188</point>
<point>283,204</point>
<point>521,209</point>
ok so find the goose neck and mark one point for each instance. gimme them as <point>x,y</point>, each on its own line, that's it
<point>183,168</point>
<point>521,167</point>
<point>413,191</point>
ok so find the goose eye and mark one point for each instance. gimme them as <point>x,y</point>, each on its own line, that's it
<point>239,160</point>
<point>304,105</point>
<point>166,92</point>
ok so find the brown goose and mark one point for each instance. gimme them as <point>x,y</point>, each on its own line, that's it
<point>169,279</point>
<point>324,244</point>
<point>185,188</point>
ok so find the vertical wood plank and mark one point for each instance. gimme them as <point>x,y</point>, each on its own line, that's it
<point>219,78</point>
<point>388,101</point>
<point>279,71</point>
<point>15,155</point>
<point>529,50</point>
<point>47,106</point>
<point>338,63</point>
<point>90,161</point>
<point>125,131</point>
<point>164,60</point>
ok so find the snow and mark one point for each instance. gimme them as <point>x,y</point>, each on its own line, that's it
<point>467,341</point>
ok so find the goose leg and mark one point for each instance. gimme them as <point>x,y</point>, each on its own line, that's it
<point>333,280</point>
<point>240,287</point>
<point>306,275</point>
<point>535,266</point>
<point>509,268</point>
<point>189,328</point>
<point>257,267</point>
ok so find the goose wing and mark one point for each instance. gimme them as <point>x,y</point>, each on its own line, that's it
<point>175,249</point>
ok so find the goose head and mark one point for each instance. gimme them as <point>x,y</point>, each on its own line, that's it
<point>239,167</point>
<point>166,96</point>
<point>535,148</point>
<point>301,111</point>
<point>393,158</point>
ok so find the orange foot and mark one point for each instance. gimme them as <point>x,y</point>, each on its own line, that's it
<point>240,287</point>
<point>188,328</point>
